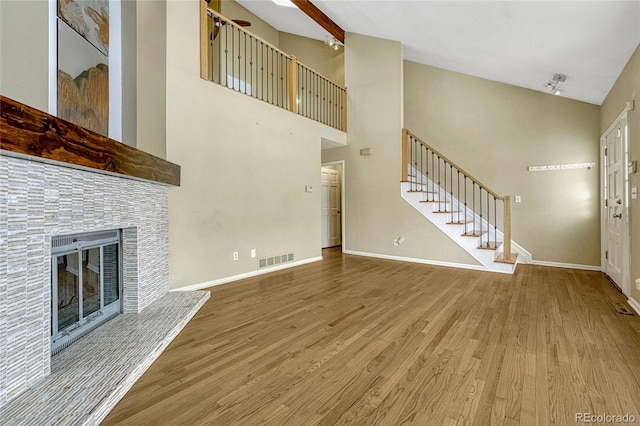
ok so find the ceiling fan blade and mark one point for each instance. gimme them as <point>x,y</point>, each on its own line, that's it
<point>242,23</point>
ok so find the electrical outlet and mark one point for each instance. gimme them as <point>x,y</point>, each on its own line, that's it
<point>253,253</point>
<point>235,255</point>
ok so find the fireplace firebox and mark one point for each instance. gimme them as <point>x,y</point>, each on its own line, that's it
<point>85,284</point>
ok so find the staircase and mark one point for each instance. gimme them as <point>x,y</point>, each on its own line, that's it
<point>459,205</point>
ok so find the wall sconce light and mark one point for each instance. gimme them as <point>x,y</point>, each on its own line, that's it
<point>555,85</point>
<point>332,42</point>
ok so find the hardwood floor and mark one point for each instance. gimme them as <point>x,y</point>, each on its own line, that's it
<point>360,341</point>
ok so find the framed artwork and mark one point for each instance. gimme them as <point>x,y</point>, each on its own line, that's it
<point>83,71</point>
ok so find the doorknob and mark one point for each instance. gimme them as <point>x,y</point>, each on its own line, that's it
<point>617,216</point>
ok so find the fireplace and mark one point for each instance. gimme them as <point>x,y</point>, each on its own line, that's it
<point>85,284</point>
<point>83,235</point>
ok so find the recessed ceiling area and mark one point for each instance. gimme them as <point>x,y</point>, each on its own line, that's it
<point>523,43</point>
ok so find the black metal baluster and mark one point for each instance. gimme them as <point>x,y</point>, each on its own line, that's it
<point>480,196</point>
<point>251,63</point>
<point>233,57</point>
<point>458,195</point>
<point>411,159</point>
<point>439,186</point>
<point>446,207</point>
<point>212,43</point>
<point>465,204</point>
<point>426,180</point>
<point>451,188</point>
<point>473,193</point>
<point>488,221</point>
<point>495,221</point>
<point>226,55</point>
<point>433,178</point>
<point>421,173</point>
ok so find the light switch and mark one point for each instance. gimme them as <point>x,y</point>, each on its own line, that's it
<point>518,199</point>
<point>634,193</point>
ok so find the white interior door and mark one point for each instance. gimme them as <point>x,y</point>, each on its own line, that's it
<point>615,202</point>
<point>331,230</point>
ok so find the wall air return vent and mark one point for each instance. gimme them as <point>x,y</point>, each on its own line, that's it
<point>268,262</point>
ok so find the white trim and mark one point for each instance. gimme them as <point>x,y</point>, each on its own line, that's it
<point>423,261</point>
<point>115,70</point>
<point>567,265</point>
<point>251,274</point>
<point>524,256</point>
<point>53,57</point>
<point>634,304</point>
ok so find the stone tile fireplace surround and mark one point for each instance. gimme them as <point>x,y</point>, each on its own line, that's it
<point>55,179</point>
<point>38,201</point>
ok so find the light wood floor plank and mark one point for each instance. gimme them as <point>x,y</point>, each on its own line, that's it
<point>359,341</point>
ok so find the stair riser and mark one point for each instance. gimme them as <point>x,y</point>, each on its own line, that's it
<point>469,244</point>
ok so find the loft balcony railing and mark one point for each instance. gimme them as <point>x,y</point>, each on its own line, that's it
<point>235,58</point>
<point>456,192</point>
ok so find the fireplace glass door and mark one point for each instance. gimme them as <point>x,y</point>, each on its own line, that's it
<point>85,284</point>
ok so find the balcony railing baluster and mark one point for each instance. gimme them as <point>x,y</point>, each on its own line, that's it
<point>237,59</point>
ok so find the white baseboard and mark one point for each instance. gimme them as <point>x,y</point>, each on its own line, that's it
<point>251,274</point>
<point>416,260</point>
<point>523,255</point>
<point>567,265</point>
<point>634,304</point>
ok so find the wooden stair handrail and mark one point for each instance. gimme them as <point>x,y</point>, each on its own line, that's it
<point>463,171</point>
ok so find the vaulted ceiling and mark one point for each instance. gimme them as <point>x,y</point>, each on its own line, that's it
<point>523,43</point>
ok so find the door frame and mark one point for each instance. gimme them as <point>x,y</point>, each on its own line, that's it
<point>625,285</point>
<point>343,206</point>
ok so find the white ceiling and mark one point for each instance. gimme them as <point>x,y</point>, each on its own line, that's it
<point>516,42</point>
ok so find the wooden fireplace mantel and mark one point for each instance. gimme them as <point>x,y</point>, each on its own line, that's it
<point>28,131</point>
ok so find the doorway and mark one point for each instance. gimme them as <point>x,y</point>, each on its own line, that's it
<point>331,207</point>
<point>614,156</point>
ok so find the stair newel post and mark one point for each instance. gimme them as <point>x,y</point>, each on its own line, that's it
<point>293,85</point>
<point>507,228</point>
<point>405,153</point>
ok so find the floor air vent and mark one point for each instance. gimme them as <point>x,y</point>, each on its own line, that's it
<point>621,308</point>
<point>267,262</point>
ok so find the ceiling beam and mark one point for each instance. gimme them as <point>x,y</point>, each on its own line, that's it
<point>323,20</point>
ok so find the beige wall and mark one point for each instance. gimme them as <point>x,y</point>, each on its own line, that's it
<point>375,212</point>
<point>24,27</point>
<point>494,131</point>
<point>233,10</point>
<point>315,55</point>
<point>151,76</point>
<point>244,163</point>
<point>627,88</point>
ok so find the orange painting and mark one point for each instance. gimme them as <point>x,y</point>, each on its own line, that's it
<point>89,18</point>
